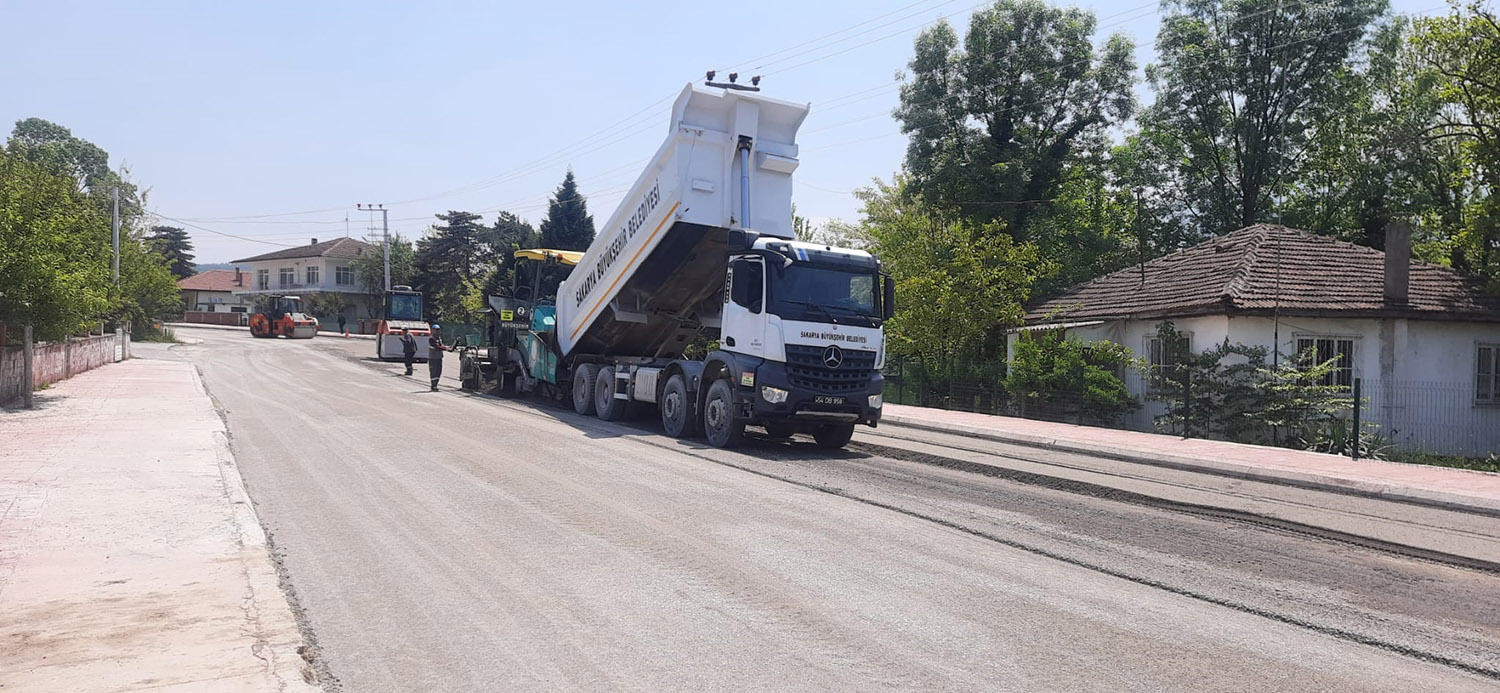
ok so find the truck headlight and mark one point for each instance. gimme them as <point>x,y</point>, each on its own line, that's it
<point>774,395</point>
<point>876,401</point>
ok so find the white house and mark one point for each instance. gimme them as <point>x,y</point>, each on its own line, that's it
<point>1423,340</point>
<point>318,267</point>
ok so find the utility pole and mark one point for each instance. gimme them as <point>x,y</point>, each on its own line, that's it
<point>114,226</point>
<point>385,228</point>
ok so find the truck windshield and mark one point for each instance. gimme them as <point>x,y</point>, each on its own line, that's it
<point>824,294</point>
<point>405,307</point>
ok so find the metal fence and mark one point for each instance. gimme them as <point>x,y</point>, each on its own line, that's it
<point>1394,417</point>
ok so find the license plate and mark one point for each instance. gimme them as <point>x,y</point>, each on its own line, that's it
<point>826,399</point>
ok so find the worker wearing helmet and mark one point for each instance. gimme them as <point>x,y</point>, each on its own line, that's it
<point>408,348</point>
<point>435,349</point>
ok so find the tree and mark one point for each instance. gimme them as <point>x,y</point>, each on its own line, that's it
<point>451,265</point>
<point>174,244</point>
<point>1240,85</point>
<point>956,281</point>
<point>1462,50</point>
<point>54,250</point>
<point>508,234</point>
<point>995,126</point>
<point>369,265</point>
<point>148,289</point>
<point>568,225</point>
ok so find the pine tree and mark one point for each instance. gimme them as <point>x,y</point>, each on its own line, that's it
<point>568,225</point>
<point>174,244</point>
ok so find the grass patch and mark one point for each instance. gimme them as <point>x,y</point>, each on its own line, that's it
<point>1483,464</point>
<point>165,335</point>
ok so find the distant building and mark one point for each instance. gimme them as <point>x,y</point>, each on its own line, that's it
<point>1423,339</point>
<point>210,297</point>
<point>317,267</point>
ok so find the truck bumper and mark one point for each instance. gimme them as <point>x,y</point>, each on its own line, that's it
<point>805,407</point>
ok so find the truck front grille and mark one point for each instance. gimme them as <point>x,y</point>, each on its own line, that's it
<point>805,368</point>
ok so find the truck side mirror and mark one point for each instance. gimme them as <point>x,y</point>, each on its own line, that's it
<point>888,297</point>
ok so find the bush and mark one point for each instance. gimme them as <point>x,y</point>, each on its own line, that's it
<point>1064,380</point>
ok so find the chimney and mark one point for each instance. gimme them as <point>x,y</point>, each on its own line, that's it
<point>315,241</point>
<point>239,280</point>
<point>1397,263</point>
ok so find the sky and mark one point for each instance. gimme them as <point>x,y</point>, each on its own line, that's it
<point>262,125</point>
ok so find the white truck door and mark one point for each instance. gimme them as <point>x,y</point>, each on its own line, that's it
<point>743,330</point>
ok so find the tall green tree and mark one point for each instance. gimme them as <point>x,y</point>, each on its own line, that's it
<point>1462,51</point>
<point>54,252</point>
<point>148,288</point>
<point>508,234</point>
<point>1239,87</point>
<point>995,125</point>
<point>176,246</point>
<point>956,281</point>
<point>568,225</point>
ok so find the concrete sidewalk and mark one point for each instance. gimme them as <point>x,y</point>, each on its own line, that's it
<point>130,556</point>
<point>332,334</point>
<point>1458,489</point>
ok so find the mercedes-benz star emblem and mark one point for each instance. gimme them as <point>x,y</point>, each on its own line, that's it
<point>833,357</point>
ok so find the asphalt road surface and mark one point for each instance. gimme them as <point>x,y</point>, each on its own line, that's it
<point>448,541</point>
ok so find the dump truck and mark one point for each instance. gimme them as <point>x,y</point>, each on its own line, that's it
<point>702,247</point>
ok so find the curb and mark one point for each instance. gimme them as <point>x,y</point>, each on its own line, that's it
<point>1320,482</point>
<point>205,326</point>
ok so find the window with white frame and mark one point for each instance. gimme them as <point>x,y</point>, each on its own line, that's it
<point>312,275</point>
<point>288,277</point>
<point>1161,357</point>
<point>263,279</point>
<point>343,275</point>
<point>1321,349</point>
<point>1487,374</point>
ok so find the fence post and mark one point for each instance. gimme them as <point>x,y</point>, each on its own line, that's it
<point>1358,405</point>
<point>28,382</point>
<point>1187,404</point>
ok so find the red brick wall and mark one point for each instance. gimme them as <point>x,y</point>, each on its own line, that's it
<point>53,362</point>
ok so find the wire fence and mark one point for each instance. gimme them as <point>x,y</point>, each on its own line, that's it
<point>1394,418</point>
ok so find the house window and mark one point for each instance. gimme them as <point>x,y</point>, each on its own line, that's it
<point>1161,359</point>
<point>1487,374</point>
<point>288,277</point>
<point>312,275</point>
<point>1340,350</point>
<point>343,275</point>
<point>263,279</point>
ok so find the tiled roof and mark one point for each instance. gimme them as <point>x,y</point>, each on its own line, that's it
<point>1264,268</point>
<point>212,280</point>
<point>343,248</point>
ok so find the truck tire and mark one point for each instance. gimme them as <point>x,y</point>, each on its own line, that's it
<point>605,404</point>
<point>719,424</point>
<point>833,436</point>
<point>677,416</point>
<point>583,388</point>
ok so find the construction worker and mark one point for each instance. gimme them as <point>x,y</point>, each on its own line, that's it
<point>342,321</point>
<point>435,349</point>
<point>408,348</point>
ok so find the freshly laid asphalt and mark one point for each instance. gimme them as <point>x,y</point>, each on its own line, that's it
<point>447,541</point>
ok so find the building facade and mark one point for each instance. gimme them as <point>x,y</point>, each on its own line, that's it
<point>1422,341</point>
<point>320,267</point>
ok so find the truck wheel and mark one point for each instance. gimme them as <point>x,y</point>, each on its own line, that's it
<point>834,436</point>
<point>583,388</point>
<point>775,430</point>
<point>677,415</point>
<point>718,416</point>
<point>605,404</point>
